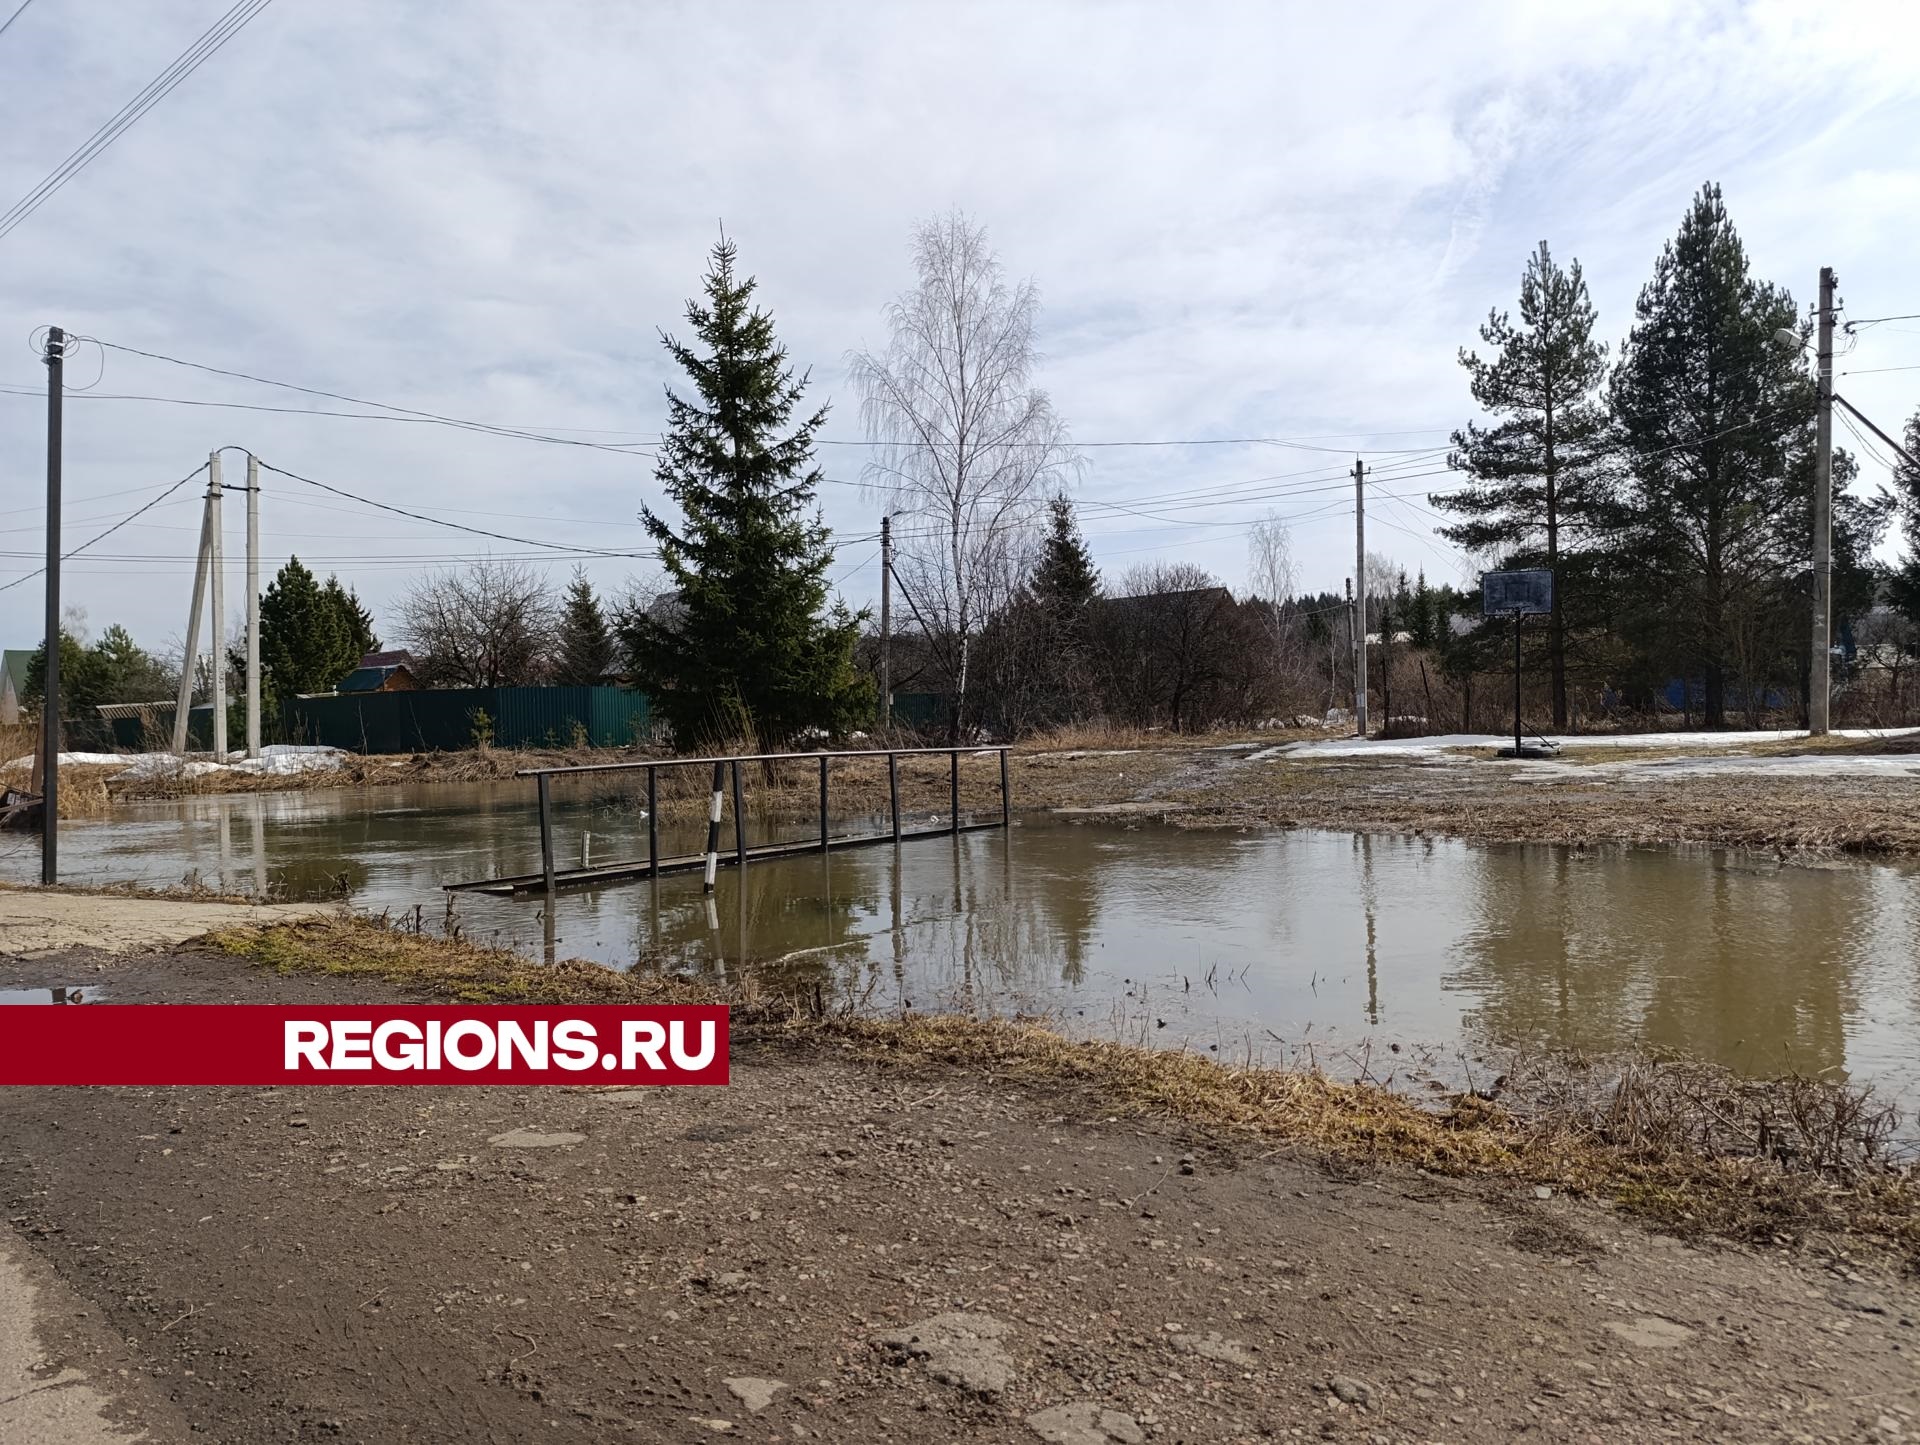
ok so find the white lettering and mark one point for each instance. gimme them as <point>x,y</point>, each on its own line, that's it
<point>677,1031</point>
<point>410,1053</point>
<point>575,1047</point>
<point>466,1029</point>
<point>641,1039</point>
<point>352,1044</point>
<point>305,1039</point>
<point>513,1039</point>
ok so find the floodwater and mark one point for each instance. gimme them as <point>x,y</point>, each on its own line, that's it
<point>1265,942</point>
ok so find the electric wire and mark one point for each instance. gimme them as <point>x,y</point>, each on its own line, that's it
<point>191,59</point>
<point>8,25</point>
<point>169,491</point>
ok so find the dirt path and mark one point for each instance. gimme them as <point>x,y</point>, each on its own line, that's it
<point>838,1251</point>
<point>36,922</point>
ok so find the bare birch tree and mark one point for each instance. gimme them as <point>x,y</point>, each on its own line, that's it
<point>970,448</point>
<point>1273,574</point>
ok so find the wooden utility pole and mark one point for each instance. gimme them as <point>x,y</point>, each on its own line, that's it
<point>253,605</point>
<point>886,622</point>
<point>50,689</point>
<point>1819,672</point>
<point>1360,596</point>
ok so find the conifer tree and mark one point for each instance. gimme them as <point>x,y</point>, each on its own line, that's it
<point>305,645</point>
<point>748,649</point>
<point>586,645</point>
<point>1065,580</point>
<point>1906,477</point>
<point>1716,418</point>
<point>1540,491</point>
<point>355,621</point>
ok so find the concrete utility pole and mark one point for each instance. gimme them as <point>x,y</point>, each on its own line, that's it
<point>55,357</point>
<point>216,577</point>
<point>183,706</point>
<point>1360,596</point>
<point>886,622</point>
<point>253,605</point>
<point>1819,672</point>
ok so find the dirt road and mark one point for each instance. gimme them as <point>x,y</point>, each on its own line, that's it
<point>840,1251</point>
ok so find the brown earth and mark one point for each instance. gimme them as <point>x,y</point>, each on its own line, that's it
<point>917,1252</point>
<point>1214,781</point>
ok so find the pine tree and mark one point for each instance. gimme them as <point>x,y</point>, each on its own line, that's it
<point>749,649</point>
<point>585,643</point>
<point>1540,490</point>
<point>305,645</point>
<point>1716,417</point>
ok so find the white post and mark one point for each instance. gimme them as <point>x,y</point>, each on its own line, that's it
<point>1360,597</point>
<point>253,605</point>
<point>184,706</point>
<point>1820,662</point>
<point>216,567</point>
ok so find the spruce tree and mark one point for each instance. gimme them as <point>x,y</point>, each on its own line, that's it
<point>1051,623</point>
<point>1716,417</point>
<point>1540,493</point>
<point>355,621</point>
<point>748,649</point>
<point>1064,580</point>
<point>585,643</point>
<point>305,646</point>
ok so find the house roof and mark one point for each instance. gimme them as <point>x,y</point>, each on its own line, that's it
<point>370,679</point>
<point>399,657</point>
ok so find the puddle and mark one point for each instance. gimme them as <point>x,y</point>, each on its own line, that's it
<point>84,993</point>
<point>1218,941</point>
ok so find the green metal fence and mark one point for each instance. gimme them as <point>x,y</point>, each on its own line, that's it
<point>449,719</point>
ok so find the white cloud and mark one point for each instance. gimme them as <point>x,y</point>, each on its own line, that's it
<point>1246,219</point>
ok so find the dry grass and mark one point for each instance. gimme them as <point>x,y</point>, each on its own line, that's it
<point>1642,1145</point>
<point>1495,802</point>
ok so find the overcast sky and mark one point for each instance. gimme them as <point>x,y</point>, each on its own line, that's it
<point>1262,220</point>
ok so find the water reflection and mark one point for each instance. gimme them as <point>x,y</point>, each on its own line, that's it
<point>1207,938</point>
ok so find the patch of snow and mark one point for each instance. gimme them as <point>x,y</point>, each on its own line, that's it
<point>1445,742</point>
<point>76,760</point>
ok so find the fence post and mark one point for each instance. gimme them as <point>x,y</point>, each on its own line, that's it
<point>739,822</point>
<point>653,822</point>
<point>713,823</point>
<point>893,792</point>
<point>823,802</point>
<point>953,791</point>
<point>1006,795</point>
<point>546,830</point>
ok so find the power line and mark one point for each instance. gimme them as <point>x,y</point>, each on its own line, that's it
<point>454,526</point>
<point>15,16</point>
<point>156,90</point>
<point>650,439</point>
<point>169,491</point>
<point>463,423</point>
<point>1171,442</point>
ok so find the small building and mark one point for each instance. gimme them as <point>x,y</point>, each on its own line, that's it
<point>382,672</point>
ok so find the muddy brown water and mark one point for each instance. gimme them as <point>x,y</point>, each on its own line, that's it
<point>1268,942</point>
